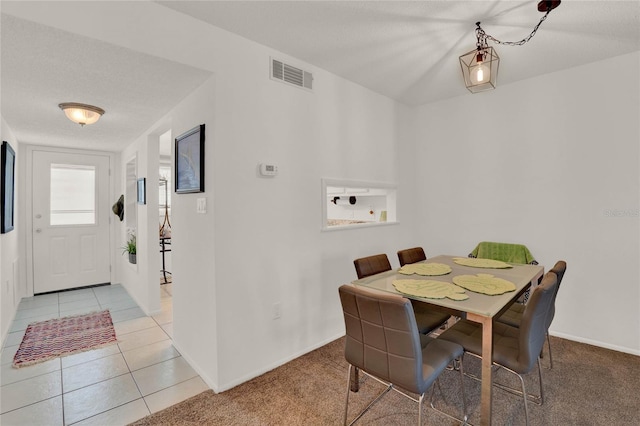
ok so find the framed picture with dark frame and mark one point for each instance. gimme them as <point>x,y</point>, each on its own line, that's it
<point>7,187</point>
<point>189,158</point>
<point>142,190</point>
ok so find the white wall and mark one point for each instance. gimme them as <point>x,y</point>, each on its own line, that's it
<point>260,241</point>
<point>269,247</point>
<point>195,326</point>
<point>10,288</point>
<point>550,162</point>
<point>137,278</point>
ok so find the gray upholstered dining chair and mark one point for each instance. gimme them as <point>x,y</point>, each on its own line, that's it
<point>513,315</point>
<point>411,255</point>
<point>383,342</point>
<point>516,350</point>
<point>427,318</point>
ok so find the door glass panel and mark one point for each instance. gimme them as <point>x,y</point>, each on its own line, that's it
<point>73,195</point>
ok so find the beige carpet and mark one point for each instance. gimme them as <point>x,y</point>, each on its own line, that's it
<point>587,386</point>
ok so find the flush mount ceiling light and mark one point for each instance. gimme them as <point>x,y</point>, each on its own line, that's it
<point>81,113</point>
<point>480,66</point>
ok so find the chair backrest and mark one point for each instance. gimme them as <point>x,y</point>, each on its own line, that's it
<point>533,327</point>
<point>371,265</point>
<point>506,252</point>
<point>559,269</point>
<point>412,255</point>
<point>382,337</point>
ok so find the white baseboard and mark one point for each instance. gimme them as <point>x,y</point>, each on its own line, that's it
<point>135,299</point>
<point>210,382</point>
<point>597,343</point>
<point>283,361</point>
<point>221,388</point>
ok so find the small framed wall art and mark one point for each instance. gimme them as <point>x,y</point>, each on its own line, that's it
<point>7,187</point>
<point>189,157</point>
<point>142,191</point>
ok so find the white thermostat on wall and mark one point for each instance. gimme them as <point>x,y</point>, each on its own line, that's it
<point>268,170</point>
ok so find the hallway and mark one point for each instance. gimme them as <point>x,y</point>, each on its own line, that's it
<point>143,373</point>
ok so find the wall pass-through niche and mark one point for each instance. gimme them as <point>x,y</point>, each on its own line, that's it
<point>349,204</point>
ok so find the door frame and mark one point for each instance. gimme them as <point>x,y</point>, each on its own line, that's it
<point>28,227</point>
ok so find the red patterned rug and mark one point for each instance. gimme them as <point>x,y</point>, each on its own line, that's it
<point>46,340</point>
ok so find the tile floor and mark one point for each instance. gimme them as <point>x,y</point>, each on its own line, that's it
<point>143,373</point>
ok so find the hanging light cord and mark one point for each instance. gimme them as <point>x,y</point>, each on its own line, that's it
<point>483,37</point>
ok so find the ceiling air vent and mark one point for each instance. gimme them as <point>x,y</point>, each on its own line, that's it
<point>290,74</point>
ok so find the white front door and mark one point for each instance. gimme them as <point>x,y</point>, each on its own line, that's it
<point>70,220</point>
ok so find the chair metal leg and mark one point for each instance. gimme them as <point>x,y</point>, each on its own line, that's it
<point>536,399</point>
<point>433,388</point>
<point>390,386</point>
<point>465,417</point>
<point>524,398</point>
<point>550,357</point>
<point>524,394</point>
<point>540,381</point>
<point>346,405</point>
<point>355,379</point>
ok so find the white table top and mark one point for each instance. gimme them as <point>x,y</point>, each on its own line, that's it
<point>480,304</point>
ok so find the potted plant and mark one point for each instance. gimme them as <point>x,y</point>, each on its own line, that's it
<point>130,247</point>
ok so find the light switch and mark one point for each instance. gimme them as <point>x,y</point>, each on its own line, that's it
<point>201,206</point>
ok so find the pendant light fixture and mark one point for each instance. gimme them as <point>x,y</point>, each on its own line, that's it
<point>480,66</point>
<point>81,113</point>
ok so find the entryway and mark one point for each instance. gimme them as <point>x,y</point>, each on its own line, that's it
<point>70,220</point>
<point>143,373</point>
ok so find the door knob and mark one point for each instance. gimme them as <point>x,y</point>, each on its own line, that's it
<point>38,216</point>
<point>38,230</point>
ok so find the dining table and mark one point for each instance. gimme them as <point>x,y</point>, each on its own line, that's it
<point>477,307</point>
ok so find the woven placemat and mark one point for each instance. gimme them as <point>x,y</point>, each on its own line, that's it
<point>428,269</point>
<point>481,263</point>
<point>484,284</point>
<point>430,289</point>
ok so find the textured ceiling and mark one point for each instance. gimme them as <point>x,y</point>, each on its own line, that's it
<point>43,66</point>
<point>406,50</point>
